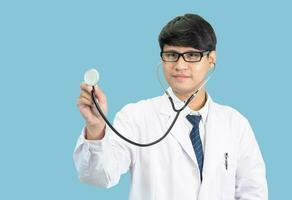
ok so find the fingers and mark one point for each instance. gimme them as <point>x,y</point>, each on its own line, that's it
<point>97,91</point>
<point>99,94</point>
<point>85,97</point>
<point>86,92</point>
<point>86,88</point>
<point>83,101</point>
<point>86,105</point>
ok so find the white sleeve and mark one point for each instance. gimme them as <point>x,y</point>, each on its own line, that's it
<point>251,183</point>
<point>101,162</point>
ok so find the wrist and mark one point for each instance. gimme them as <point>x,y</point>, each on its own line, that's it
<point>94,133</point>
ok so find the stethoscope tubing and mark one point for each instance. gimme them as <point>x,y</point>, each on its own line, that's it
<point>178,111</point>
<point>130,141</point>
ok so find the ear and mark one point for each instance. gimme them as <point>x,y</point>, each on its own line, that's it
<point>212,58</point>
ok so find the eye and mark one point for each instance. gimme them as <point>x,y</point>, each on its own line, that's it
<point>193,55</point>
<point>170,54</point>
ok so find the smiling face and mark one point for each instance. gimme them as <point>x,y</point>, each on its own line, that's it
<point>185,77</point>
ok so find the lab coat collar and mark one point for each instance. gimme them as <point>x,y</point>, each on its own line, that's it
<point>167,109</point>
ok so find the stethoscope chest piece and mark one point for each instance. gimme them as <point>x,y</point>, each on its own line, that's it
<point>91,77</point>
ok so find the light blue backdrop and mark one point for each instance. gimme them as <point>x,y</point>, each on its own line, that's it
<point>45,47</point>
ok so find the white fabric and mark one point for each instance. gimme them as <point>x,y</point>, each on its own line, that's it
<point>168,170</point>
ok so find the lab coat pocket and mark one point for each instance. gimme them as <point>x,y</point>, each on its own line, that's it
<point>227,173</point>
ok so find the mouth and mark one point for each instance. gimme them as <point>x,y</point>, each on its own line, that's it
<point>181,77</point>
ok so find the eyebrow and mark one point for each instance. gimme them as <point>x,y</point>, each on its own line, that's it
<point>173,51</point>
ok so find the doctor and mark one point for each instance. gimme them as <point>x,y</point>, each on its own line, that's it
<point>211,153</point>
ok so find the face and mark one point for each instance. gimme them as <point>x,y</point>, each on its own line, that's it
<point>185,77</point>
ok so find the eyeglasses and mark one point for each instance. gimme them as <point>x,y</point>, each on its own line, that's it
<point>191,56</point>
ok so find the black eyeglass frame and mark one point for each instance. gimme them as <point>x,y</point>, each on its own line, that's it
<point>202,54</point>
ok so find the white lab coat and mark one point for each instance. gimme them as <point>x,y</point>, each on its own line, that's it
<point>169,170</point>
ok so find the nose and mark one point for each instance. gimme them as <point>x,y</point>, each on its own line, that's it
<point>181,64</point>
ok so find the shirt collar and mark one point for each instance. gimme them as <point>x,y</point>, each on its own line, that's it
<point>179,103</point>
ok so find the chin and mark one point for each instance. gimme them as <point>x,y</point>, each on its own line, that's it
<point>185,91</point>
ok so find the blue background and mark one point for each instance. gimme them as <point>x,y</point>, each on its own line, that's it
<point>46,46</point>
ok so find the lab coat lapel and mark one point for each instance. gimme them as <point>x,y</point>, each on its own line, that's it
<point>181,134</point>
<point>214,144</point>
<point>213,152</point>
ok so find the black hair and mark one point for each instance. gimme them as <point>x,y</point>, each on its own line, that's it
<point>190,30</point>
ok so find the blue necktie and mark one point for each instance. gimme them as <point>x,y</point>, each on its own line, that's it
<point>196,140</point>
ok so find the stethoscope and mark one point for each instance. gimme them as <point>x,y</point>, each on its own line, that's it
<point>91,77</point>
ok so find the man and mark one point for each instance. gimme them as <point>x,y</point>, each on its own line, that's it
<point>211,152</point>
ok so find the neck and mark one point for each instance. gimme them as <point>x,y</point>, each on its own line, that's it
<point>198,102</point>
